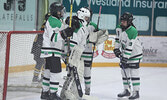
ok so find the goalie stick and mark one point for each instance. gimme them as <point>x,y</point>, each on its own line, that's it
<point>72,69</point>
<point>96,29</point>
<point>77,81</point>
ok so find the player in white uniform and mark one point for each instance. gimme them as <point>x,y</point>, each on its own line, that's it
<point>78,42</point>
<point>77,46</point>
<point>129,49</point>
<point>51,51</point>
<point>87,54</point>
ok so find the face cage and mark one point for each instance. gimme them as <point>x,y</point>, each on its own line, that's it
<point>62,13</point>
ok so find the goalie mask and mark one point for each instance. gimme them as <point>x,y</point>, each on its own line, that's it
<point>84,15</point>
<point>57,10</point>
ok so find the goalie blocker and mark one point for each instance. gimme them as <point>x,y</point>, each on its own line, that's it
<point>98,37</point>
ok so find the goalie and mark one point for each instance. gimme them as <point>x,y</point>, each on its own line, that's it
<point>78,43</point>
<point>91,39</point>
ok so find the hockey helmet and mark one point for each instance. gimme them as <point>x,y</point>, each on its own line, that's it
<point>57,10</point>
<point>127,17</point>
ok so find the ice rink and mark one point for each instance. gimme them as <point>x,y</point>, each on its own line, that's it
<point>107,83</point>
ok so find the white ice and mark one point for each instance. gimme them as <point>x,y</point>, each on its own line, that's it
<point>107,83</point>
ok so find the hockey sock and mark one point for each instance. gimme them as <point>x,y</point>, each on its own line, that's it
<point>135,79</point>
<point>87,76</point>
<point>54,81</point>
<point>46,80</point>
<point>36,72</point>
<point>125,83</point>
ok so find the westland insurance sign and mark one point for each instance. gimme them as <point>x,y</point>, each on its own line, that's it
<point>141,9</point>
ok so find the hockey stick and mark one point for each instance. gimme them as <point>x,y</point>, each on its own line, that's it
<point>123,68</point>
<point>96,29</point>
<point>68,38</point>
<point>73,69</point>
<point>77,81</point>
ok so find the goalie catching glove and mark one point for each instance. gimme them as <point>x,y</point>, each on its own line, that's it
<point>98,37</point>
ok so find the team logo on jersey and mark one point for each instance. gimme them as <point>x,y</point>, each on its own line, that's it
<point>108,48</point>
<point>96,53</point>
<point>45,53</point>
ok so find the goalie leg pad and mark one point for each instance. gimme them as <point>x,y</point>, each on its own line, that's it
<point>75,55</point>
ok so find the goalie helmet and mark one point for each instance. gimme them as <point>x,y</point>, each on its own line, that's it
<point>84,15</point>
<point>57,10</point>
<point>127,17</point>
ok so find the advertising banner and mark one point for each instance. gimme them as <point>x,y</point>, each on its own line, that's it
<point>154,50</point>
<point>104,52</point>
<point>17,15</point>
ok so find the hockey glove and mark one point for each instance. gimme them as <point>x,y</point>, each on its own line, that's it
<point>94,36</point>
<point>124,60</point>
<point>68,32</point>
<point>117,53</point>
<point>75,22</point>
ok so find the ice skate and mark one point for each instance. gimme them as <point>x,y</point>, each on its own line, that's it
<point>125,93</point>
<point>135,96</point>
<point>87,91</point>
<point>35,80</point>
<point>54,96</point>
<point>45,95</point>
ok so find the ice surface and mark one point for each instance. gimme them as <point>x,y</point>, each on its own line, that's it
<point>107,83</point>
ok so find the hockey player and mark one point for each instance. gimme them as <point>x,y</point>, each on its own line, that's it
<point>78,43</point>
<point>36,51</point>
<point>55,31</point>
<point>77,46</point>
<point>87,54</point>
<point>128,48</point>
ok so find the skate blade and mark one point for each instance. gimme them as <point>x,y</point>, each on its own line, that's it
<point>123,98</point>
<point>134,99</point>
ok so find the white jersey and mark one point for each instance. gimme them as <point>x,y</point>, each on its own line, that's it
<point>52,40</point>
<point>129,43</point>
<point>79,38</point>
<point>87,54</point>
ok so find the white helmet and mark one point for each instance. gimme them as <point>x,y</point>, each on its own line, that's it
<point>82,13</point>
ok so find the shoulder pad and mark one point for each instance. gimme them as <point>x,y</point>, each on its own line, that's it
<point>131,32</point>
<point>54,22</point>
